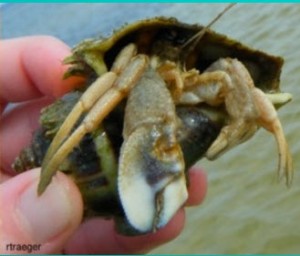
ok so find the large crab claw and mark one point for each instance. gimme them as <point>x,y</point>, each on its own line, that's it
<point>151,184</point>
<point>151,181</point>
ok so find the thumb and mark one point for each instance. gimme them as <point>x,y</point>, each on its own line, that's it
<point>38,224</point>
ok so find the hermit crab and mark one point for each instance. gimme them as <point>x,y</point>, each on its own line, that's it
<point>158,96</point>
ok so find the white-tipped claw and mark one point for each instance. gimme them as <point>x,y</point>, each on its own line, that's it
<point>151,190</point>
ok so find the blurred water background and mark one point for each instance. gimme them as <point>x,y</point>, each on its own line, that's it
<point>245,211</point>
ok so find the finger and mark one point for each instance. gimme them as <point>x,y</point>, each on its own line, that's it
<point>197,186</point>
<point>4,177</point>
<point>46,221</point>
<point>16,130</point>
<point>98,236</point>
<point>31,67</point>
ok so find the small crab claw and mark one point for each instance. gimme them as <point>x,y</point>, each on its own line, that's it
<point>151,182</point>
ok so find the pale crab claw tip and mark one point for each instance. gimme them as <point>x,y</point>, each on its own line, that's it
<point>174,196</point>
<point>138,203</point>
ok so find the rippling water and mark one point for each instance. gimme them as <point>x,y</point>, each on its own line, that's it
<point>245,211</point>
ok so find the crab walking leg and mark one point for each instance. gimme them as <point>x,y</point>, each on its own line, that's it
<point>259,111</point>
<point>172,75</point>
<point>228,81</point>
<point>268,119</point>
<point>209,87</point>
<point>94,92</point>
<point>240,106</point>
<point>216,88</point>
<point>99,111</point>
<point>89,98</point>
<point>124,58</point>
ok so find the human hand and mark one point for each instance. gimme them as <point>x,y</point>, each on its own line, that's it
<point>30,74</point>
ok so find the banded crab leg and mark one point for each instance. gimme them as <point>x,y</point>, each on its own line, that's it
<point>227,81</point>
<point>99,103</point>
<point>89,98</point>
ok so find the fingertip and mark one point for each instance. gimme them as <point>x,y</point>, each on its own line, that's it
<point>48,220</point>
<point>98,236</point>
<point>197,186</point>
<point>33,67</point>
<point>46,67</point>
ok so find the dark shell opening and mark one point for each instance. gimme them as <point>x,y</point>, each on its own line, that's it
<point>159,36</point>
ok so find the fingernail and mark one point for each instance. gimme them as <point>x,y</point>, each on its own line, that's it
<point>45,217</point>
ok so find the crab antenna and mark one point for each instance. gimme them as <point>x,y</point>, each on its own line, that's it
<point>192,42</point>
